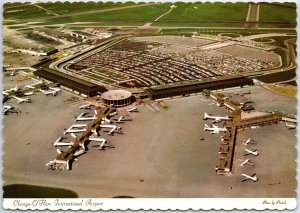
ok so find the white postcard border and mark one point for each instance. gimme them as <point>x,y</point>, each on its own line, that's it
<point>154,203</point>
<point>151,204</point>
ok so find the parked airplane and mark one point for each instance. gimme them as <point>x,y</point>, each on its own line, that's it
<point>8,91</point>
<point>134,109</point>
<point>86,106</point>
<point>49,92</point>
<point>113,114</point>
<point>28,93</point>
<point>73,135</point>
<point>79,125</point>
<point>122,119</point>
<point>59,142</point>
<point>79,152</point>
<point>75,128</point>
<point>251,152</point>
<point>21,100</point>
<point>215,118</point>
<point>7,109</point>
<point>215,129</point>
<point>248,141</point>
<point>250,177</point>
<point>82,118</point>
<point>104,143</point>
<point>55,89</point>
<point>12,73</point>
<point>291,125</point>
<point>114,128</point>
<point>32,86</point>
<point>106,120</point>
<point>246,162</point>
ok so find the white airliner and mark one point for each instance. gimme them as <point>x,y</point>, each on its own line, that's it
<point>248,141</point>
<point>215,129</point>
<point>291,125</point>
<point>82,117</point>
<point>12,73</point>
<point>251,152</point>
<point>8,91</point>
<point>59,142</point>
<point>21,100</point>
<point>246,162</point>
<point>250,177</point>
<point>106,120</point>
<point>28,93</point>
<point>55,89</point>
<point>113,128</point>
<point>113,114</point>
<point>103,143</point>
<point>49,92</point>
<point>79,152</point>
<point>134,109</point>
<point>215,118</point>
<point>122,119</point>
<point>32,86</point>
<point>75,128</point>
<point>7,109</point>
<point>86,106</point>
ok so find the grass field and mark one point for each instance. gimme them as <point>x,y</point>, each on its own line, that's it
<point>99,24</point>
<point>208,11</point>
<point>25,12</point>
<point>67,7</point>
<point>275,13</point>
<point>150,12</point>
<point>183,24</point>
<point>243,32</point>
<point>139,16</point>
<point>278,25</point>
<point>284,90</point>
<point>8,5</point>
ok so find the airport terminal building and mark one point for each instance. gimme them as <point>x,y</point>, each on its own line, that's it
<point>117,98</point>
<point>75,84</point>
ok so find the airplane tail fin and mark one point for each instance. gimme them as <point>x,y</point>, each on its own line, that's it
<point>205,115</point>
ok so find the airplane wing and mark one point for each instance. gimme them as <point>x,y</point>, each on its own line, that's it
<point>216,131</point>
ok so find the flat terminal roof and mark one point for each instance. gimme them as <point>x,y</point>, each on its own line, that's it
<point>116,95</point>
<point>67,76</point>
